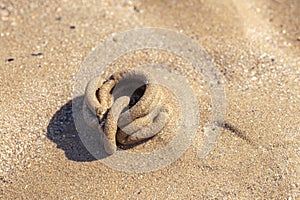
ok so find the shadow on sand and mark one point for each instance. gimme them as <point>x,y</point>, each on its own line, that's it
<point>61,130</point>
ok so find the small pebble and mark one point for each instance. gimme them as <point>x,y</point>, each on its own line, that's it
<point>36,54</point>
<point>136,9</point>
<point>10,59</point>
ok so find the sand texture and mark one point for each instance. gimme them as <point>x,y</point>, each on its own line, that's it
<point>256,48</point>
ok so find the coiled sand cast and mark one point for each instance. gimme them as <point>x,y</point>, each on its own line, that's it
<point>127,108</point>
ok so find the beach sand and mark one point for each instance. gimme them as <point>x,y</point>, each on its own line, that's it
<point>256,48</point>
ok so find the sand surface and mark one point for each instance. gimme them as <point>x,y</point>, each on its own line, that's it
<point>256,46</point>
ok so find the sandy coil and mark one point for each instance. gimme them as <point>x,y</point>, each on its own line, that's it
<point>127,108</point>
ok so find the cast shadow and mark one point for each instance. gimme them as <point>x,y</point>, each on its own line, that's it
<point>62,131</point>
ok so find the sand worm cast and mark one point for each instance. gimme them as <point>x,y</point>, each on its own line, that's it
<point>96,107</point>
<point>126,108</point>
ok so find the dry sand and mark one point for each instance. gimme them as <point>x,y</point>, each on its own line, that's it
<point>255,46</point>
